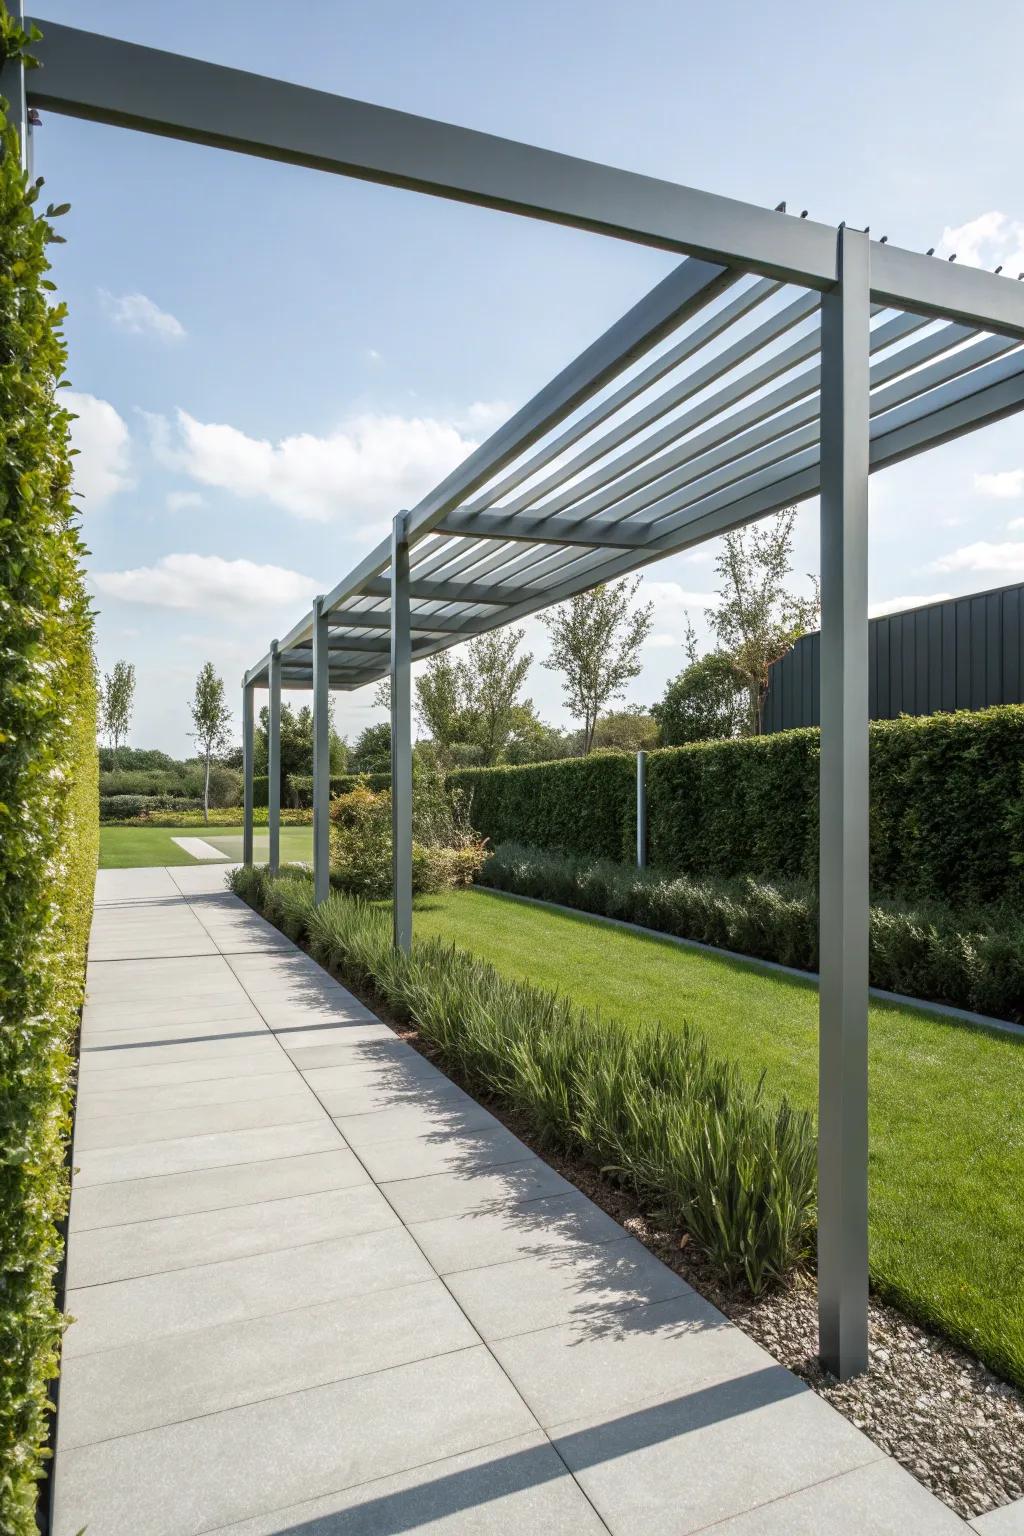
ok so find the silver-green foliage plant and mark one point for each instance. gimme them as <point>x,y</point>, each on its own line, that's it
<point>652,1107</point>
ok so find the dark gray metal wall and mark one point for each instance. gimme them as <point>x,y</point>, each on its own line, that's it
<point>964,653</point>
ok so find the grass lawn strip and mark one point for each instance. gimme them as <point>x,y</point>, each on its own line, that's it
<point>143,847</point>
<point>947,1133</point>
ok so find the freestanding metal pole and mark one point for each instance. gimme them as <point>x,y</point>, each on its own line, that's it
<point>321,755</point>
<point>274,761</point>
<point>641,810</point>
<point>248,743</point>
<point>401,738</point>
<point>843,872</point>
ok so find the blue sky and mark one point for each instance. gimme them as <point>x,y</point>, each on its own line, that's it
<point>268,362</point>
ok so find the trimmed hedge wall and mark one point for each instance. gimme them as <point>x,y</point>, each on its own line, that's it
<point>947,806</point>
<point>579,805</point>
<point>48,822</point>
<point>297,788</point>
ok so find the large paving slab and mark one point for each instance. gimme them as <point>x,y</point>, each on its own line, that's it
<point>318,1289</point>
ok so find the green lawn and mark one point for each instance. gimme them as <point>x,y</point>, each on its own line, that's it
<point>947,1101</point>
<point>136,847</point>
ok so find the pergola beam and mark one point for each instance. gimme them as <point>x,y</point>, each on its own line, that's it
<point>530,529</point>
<point>460,592</point>
<point>105,80</point>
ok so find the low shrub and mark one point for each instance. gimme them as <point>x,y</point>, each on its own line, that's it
<point>133,807</point>
<point>967,957</point>
<point>649,1106</point>
<point>178,814</point>
<point>445,852</point>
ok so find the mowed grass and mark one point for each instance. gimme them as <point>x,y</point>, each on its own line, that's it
<point>947,1101</point>
<point>139,847</point>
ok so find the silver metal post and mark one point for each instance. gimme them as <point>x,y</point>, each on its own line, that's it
<point>274,761</point>
<point>248,743</point>
<point>321,755</point>
<point>401,737</point>
<point>641,810</point>
<point>843,875</point>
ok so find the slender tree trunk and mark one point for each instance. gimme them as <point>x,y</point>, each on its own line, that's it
<point>206,791</point>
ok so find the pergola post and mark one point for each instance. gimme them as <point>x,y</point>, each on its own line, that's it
<point>401,738</point>
<point>843,874</point>
<point>248,744</point>
<point>641,810</point>
<point>274,760</point>
<point>321,755</point>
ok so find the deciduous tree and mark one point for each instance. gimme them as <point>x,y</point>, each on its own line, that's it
<point>596,639</point>
<point>758,620</point>
<point>211,717</point>
<point>117,701</point>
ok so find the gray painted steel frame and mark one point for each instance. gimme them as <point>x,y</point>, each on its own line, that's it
<point>843,812</point>
<point>401,738</point>
<point>321,754</point>
<point>725,453</point>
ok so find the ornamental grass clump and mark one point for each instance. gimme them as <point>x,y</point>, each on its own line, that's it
<point>650,1107</point>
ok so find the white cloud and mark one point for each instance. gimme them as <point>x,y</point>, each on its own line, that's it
<point>1015,525</point>
<point>1003,559</point>
<point>1005,485</point>
<point>669,594</point>
<point>207,582</point>
<point>180,501</point>
<point>138,314</point>
<point>897,604</point>
<point>100,435</point>
<point>990,240</point>
<point>485,416</point>
<point>371,465</point>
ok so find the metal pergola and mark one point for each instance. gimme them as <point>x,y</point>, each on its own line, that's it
<point>782,359</point>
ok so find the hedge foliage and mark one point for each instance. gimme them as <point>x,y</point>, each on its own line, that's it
<point>297,788</point>
<point>947,806</point>
<point>48,824</point>
<point>967,957</point>
<point>649,1105</point>
<point>579,805</point>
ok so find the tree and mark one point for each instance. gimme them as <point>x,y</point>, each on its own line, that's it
<point>297,742</point>
<point>116,702</point>
<point>372,751</point>
<point>595,641</point>
<point>758,621</point>
<point>626,730</point>
<point>706,702</point>
<point>494,673</point>
<point>441,704</point>
<point>470,704</point>
<point>211,717</point>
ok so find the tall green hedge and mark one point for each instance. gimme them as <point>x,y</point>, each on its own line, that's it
<point>579,805</point>
<point>48,821</point>
<point>947,806</point>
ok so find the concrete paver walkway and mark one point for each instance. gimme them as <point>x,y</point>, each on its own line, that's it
<point>319,1290</point>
